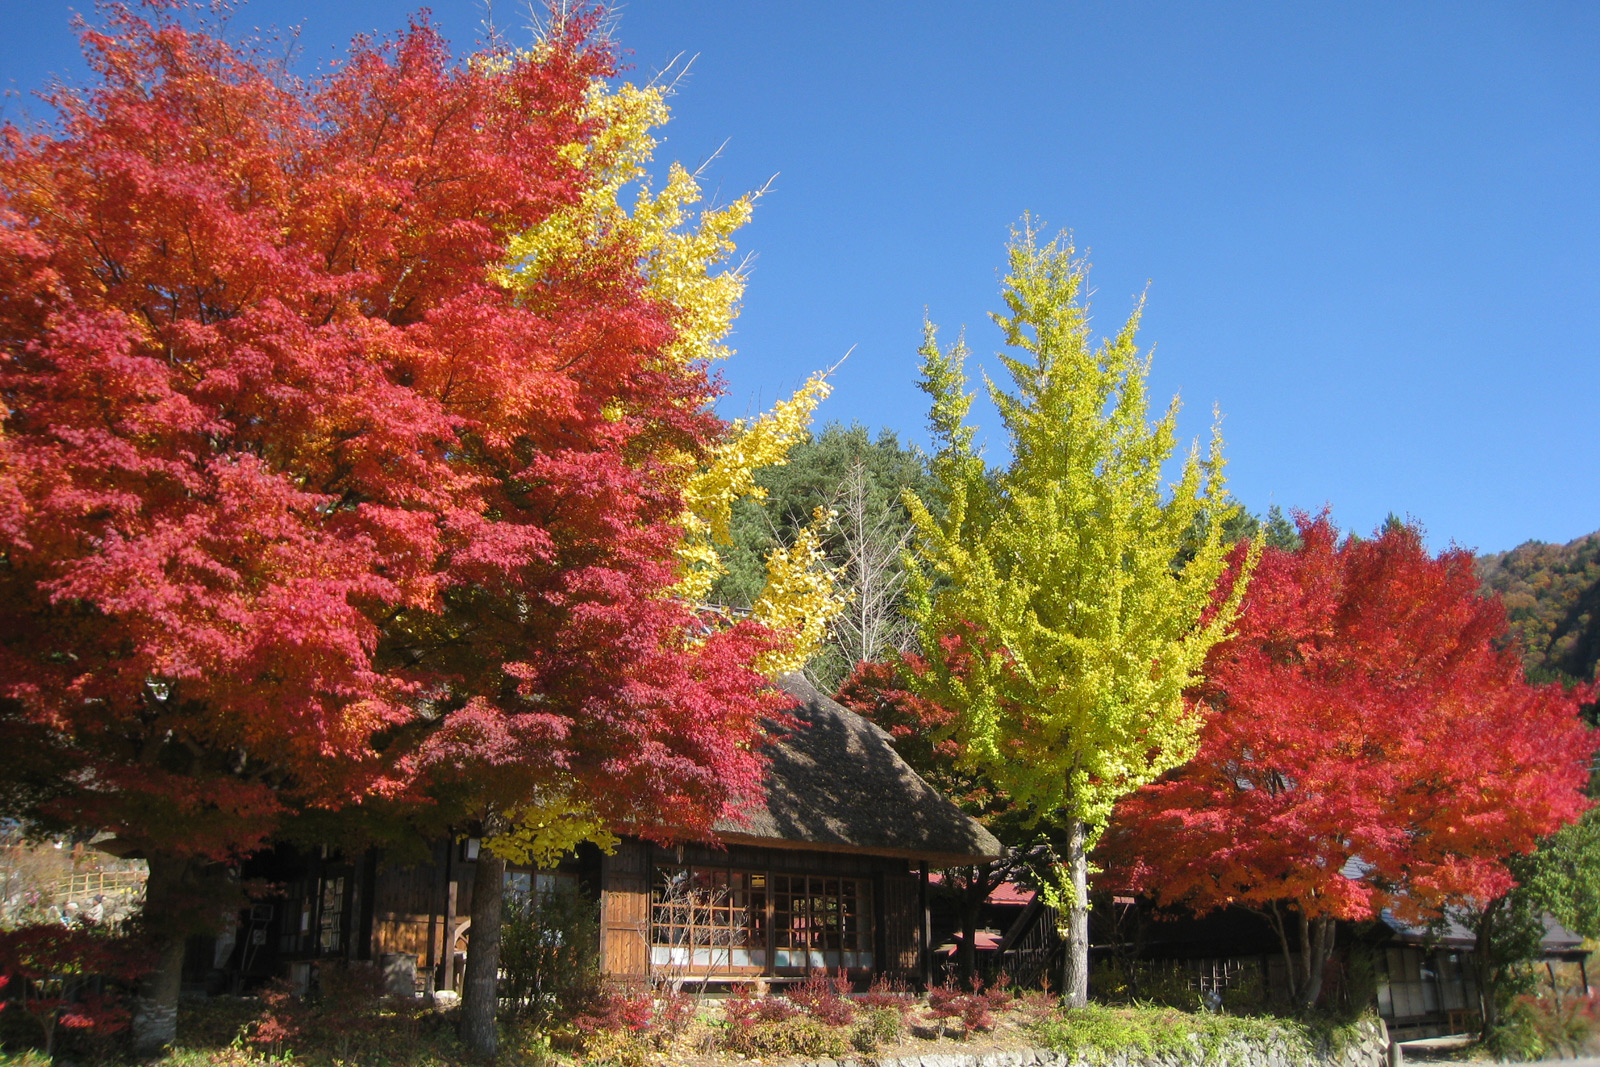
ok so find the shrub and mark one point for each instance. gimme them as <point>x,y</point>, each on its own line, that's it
<point>1246,993</point>
<point>886,992</point>
<point>348,1005</point>
<point>798,1035</point>
<point>1166,984</point>
<point>550,953</point>
<point>70,979</point>
<point>825,999</point>
<point>1096,1033</point>
<point>876,1028</point>
<point>616,1048</point>
<point>26,1058</point>
<point>616,1010</point>
<point>674,1011</point>
<point>1566,1026</point>
<point>975,1009</point>
<point>282,1018</point>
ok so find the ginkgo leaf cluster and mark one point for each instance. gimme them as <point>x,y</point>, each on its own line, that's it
<point>1059,573</point>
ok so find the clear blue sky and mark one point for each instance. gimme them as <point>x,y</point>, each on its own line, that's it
<point>1371,231</point>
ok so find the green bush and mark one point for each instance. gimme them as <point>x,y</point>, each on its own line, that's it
<point>1245,993</point>
<point>799,1035</point>
<point>1163,982</point>
<point>1097,1033</point>
<point>1532,1028</point>
<point>876,1028</point>
<point>26,1058</point>
<point>550,954</point>
<point>616,1048</point>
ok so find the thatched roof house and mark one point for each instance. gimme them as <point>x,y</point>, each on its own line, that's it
<point>828,870</point>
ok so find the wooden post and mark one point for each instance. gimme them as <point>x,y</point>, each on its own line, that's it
<point>925,934</point>
<point>771,915</point>
<point>450,915</point>
<point>430,982</point>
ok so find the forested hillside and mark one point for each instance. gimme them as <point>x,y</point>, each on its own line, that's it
<point>1552,595</point>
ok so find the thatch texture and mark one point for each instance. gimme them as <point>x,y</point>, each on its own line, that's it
<point>836,783</point>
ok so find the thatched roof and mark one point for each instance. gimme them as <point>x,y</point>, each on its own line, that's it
<point>836,783</point>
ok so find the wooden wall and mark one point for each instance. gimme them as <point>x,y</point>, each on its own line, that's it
<point>625,910</point>
<point>409,903</point>
<point>403,900</point>
<point>902,926</point>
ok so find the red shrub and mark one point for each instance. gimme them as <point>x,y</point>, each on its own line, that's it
<point>673,1010</point>
<point>886,992</point>
<point>975,1009</point>
<point>775,1010</point>
<point>282,1018</point>
<point>826,999</point>
<point>70,977</point>
<point>615,1010</point>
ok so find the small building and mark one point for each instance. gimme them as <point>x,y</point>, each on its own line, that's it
<point>829,869</point>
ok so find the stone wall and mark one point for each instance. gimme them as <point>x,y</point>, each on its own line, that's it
<point>1370,1049</point>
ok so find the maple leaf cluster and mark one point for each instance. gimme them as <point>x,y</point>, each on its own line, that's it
<point>1371,745</point>
<point>302,501</point>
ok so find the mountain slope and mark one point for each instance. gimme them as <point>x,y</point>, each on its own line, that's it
<point>1552,596</point>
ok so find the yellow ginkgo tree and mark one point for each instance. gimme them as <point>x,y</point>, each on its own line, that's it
<point>1067,588</point>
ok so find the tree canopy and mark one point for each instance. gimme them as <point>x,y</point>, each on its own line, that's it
<point>1082,600</point>
<point>348,435</point>
<point>1371,746</point>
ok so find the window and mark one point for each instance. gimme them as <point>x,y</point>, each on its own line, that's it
<point>733,921</point>
<point>706,918</point>
<point>330,925</point>
<point>821,922</point>
<point>521,884</point>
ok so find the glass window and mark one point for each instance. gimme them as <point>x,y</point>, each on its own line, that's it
<point>821,922</point>
<point>708,919</point>
<point>331,924</point>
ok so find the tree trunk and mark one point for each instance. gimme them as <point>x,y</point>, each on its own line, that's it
<point>1316,945</point>
<point>1075,923</point>
<point>1488,1003</point>
<point>155,1006</point>
<point>480,991</point>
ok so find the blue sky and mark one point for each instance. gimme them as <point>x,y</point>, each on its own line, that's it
<point>1370,232</point>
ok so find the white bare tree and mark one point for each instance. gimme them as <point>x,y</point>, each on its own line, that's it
<point>873,544</point>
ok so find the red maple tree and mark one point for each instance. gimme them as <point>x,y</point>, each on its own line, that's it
<point>299,506</point>
<point>1371,745</point>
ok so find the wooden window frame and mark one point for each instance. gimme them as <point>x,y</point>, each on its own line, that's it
<point>827,921</point>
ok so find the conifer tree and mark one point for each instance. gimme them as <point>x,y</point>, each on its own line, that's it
<point>1061,573</point>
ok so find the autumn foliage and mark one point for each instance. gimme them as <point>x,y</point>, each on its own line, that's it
<point>72,979</point>
<point>275,434</point>
<point>311,494</point>
<point>1371,746</point>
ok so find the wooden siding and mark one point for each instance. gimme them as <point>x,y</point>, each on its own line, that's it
<point>404,905</point>
<point>902,926</point>
<point>625,910</point>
